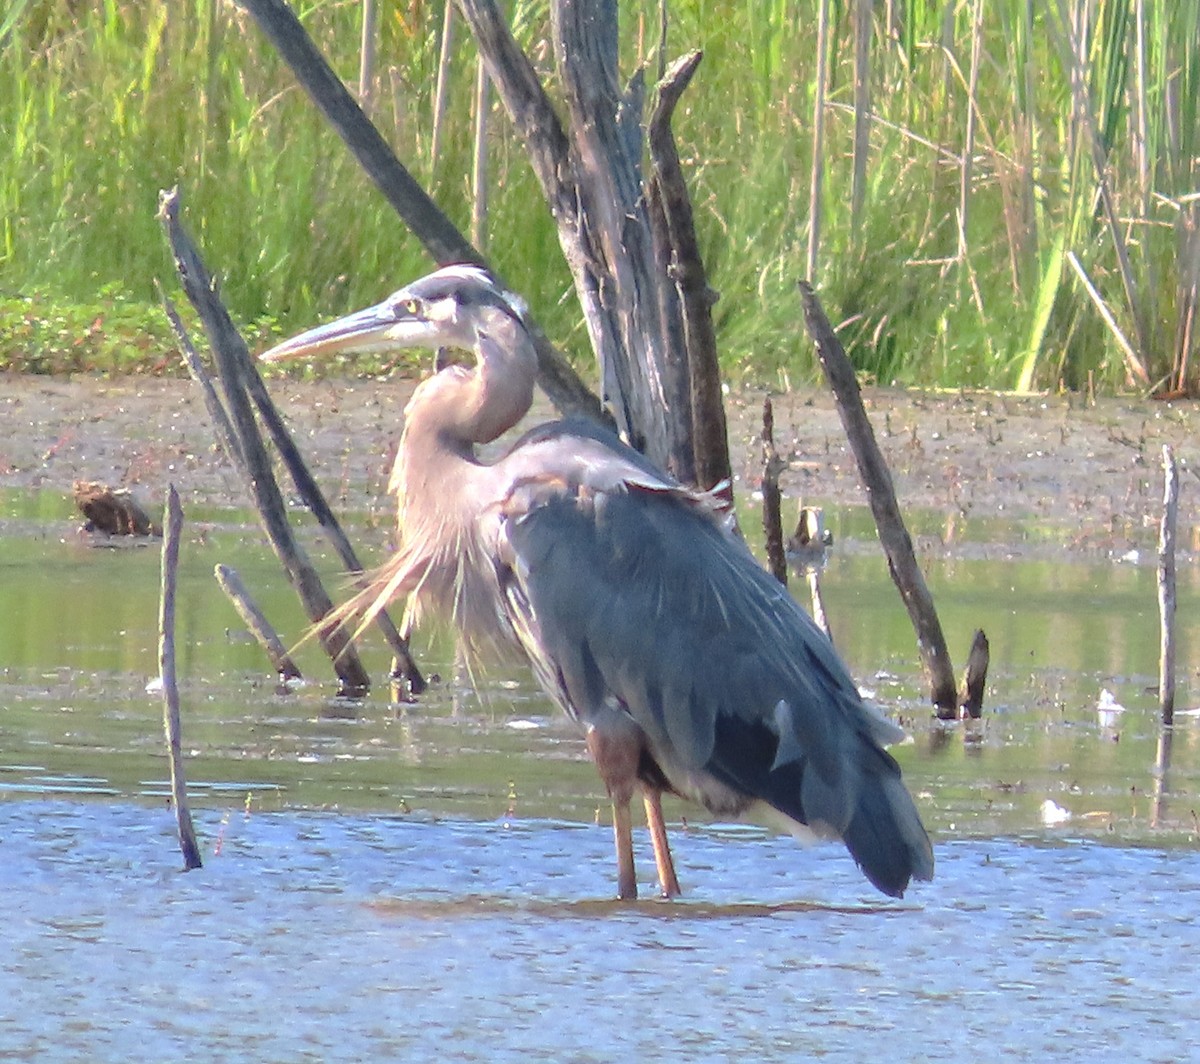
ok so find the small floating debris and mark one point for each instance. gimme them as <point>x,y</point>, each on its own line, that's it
<point>1054,814</point>
<point>523,724</point>
<point>1108,709</point>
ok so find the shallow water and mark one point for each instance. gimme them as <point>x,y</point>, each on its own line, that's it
<point>366,937</point>
<point>389,881</point>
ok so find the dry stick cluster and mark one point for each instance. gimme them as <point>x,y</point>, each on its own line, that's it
<point>242,442</point>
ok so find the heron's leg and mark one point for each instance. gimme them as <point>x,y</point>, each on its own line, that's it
<point>623,837</point>
<point>662,848</point>
<point>615,749</point>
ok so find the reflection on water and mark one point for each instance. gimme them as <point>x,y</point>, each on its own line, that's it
<point>430,881</point>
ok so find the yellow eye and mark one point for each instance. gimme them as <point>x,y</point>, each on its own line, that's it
<point>411,306</point>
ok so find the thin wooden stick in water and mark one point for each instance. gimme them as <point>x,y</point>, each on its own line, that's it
<point>172,523</point>
<point>262,630</point>
<point>1166,586</point>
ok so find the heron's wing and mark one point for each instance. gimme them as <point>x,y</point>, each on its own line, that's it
<point>642,594</point>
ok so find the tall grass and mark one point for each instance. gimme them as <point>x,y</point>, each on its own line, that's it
<point>1007,188</point>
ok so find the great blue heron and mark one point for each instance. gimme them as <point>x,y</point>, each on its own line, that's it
<point>643,615</point>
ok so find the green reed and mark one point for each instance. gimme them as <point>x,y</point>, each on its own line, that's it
<point>1009,187</point>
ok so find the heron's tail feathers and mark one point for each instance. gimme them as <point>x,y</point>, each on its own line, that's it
<point>884,833</point>
<point>855,792</point>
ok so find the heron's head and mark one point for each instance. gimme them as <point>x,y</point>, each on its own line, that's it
<point>448,308</point>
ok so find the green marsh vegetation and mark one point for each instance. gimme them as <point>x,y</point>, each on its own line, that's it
<point>1009,194</point>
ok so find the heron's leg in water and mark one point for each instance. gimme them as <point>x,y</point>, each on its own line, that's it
<point>623,837</point>
<point>615,750</point>
<point>662,848</point>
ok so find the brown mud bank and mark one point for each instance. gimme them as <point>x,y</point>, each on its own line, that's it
<point>1092,472</point>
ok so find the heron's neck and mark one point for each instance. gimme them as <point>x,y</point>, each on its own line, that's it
<point>500,391</point>
<point>453,412</point>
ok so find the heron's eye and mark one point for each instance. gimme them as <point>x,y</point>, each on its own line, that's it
<point>410,306</point>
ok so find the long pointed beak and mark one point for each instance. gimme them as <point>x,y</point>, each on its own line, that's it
<point>385,326</point>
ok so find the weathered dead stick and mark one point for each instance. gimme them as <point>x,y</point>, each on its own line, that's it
<point>1166,586</point>
<point>428,223</point>
<point>229,350</point>
<point>254,618</point>
<point>893,535</point>
<point>172,523</point>
<point>772,518</point>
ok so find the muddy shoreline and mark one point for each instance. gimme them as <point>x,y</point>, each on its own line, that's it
<point>1092,470</point>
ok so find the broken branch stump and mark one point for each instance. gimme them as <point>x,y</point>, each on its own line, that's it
<point>772,519</point>
<point>975,676</point>
<point>807,551</point>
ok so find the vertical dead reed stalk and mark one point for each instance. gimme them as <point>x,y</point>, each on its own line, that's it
<point>1166,586</point>
<point>172,523</point>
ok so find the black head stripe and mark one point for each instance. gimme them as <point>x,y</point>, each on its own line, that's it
<point>470,286</point>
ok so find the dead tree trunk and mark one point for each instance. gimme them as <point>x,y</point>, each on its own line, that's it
<point>893,535</point>
<point>591,174</point>
<point>679,259</point>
